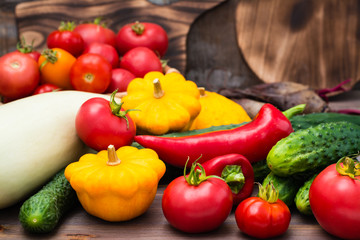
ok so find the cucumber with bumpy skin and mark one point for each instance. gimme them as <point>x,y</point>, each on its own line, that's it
<point>287,187</point>
<point>304,121</point>
<point>261,170</point>
<point>42,211</point>
<point>302,197</point>
<point>309,150</point>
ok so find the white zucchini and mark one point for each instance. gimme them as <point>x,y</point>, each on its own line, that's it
<point>37,139</point>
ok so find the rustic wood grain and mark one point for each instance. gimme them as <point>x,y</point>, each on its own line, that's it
<point>35,20</point>
<point>77,224</point>
<point>314,42</point>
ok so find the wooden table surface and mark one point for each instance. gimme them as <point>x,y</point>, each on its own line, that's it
<point>77,224</point>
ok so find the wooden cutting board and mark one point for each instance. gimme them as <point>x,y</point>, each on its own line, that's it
<point>314,42</point>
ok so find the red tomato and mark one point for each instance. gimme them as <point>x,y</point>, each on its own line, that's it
<point>120,79</point>
<point>334,199</point>
<point>258,217</point>
<point>141,60</point>
<point>105,50</point>
<point>46,87</point>
<point>19,75</point>
<point>65,38</point>
<point>142,34</point>
<point>197,207</point>
<point>28,49</point>
<point>98,127</point>
<point>90,73</point>
<point>94,32</point>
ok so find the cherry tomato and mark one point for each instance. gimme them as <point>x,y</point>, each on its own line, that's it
<point>55,65</point>
<point>65,38</point>
<point>120,79</point>
<point>334,198</point>
<point>95,32</point>
<point>142,34</point>
<point>265,216</point>
<point>141,60</point>
<point>46,87</point>
<point>28,49</point>
<point>100,123</point>
<point>91,73</point>
<point>19,75</point>
<point>197,204</point>
<point>105,50</point>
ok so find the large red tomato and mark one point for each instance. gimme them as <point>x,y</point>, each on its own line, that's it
<point>142,34</point>
<point>65,38</point>
<point>334,198</point>
<point>265,216</point>
<point>120,79</point>
<point>140,61</point>
<point>105,50</point>
<point>100,123</point>
<point>196,204</point>
<point>19,75</point>
<point>95,32</point>
<point>90,73</point>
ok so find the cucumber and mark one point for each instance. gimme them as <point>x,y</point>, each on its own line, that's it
<point>302,202</point>
<point>42,211</point>
<point>287,187</point>
<point>261,170</point>
<point>310,120</point>
<point>307,151</point>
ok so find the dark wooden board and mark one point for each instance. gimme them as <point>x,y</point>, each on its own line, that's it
<point>77,224</point>
<point>314,42</point>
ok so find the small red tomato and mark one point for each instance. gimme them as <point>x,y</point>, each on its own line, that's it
<point>46,87</point>
<point>28,49</point>
<point>90,73</point>
<point>265,216</point>
<point>19,75</point>
<point>95,32</point>
<point>105,50</point>
<point>334,198</point>
<point>141,60</point>
<point>142,34</point>
<point>65,38</point>
<point>197,203</point>
<point>120,79</point>
<point>100,123</point>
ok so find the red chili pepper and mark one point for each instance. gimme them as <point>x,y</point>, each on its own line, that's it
<point>237,172</point>
<point>253,140</point>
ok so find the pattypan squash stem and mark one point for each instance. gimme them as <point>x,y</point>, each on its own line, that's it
<point>116,108</point>
<point>197,174</point>
<point>347,166</point>
<point>268,193</point>
<point>50,56</point>
<point>113,158</point>
<point>138,28</point>
<point>202,91</point>
<point>289,113</point>
<point>234,177</point>
<point>158,92</point>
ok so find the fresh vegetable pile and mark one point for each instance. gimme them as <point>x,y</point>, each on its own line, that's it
<point>104,118</point>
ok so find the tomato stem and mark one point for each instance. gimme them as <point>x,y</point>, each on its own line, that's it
<point>116,108</point>
<point>197,174</point>
<point>347,166</point>
<point>50,56</point>
<point>112,156</point>
<point>67,26</point>
<point>268,193</point>
<point>22,47</point>
<point>138,28</point>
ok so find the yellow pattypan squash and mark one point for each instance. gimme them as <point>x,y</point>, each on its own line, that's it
<point>116,185</point>
<point>218,110</point>
<point>164,103</point>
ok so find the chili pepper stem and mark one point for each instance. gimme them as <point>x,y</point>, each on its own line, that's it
<point>234,177</point>
<point>158,92</point>
<point>113,158</point>
<point>294,110</point>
